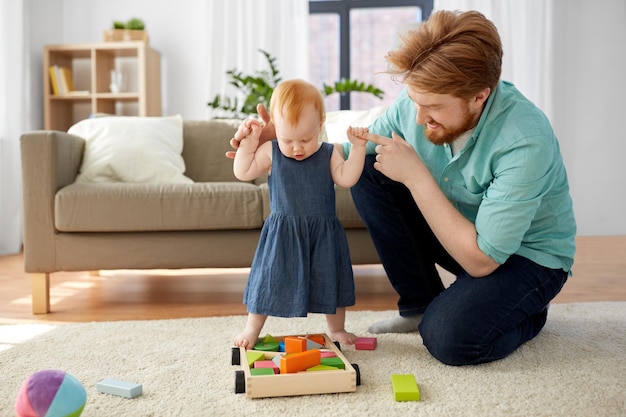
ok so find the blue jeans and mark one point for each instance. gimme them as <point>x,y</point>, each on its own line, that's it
<point>475,320</point>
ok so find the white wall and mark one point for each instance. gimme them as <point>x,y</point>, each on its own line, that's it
<point>589,84</point>
<point>177,29</point>
<point>589,112</point>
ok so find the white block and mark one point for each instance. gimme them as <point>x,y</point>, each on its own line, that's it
<point>120,388</point>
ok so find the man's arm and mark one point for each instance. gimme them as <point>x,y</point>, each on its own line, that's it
<point>398,160</point>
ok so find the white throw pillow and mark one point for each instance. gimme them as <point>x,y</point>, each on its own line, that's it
<point>132,149</point>
<point>337,122</point>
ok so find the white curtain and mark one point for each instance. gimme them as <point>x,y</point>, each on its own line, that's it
<point>14,102</point>
<point>237,29</point>
<point>525,28</point>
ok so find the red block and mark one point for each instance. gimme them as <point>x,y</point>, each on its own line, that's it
<point>365,343</point>
<point>266,364</point>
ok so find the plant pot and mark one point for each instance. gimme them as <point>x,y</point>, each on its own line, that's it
<point>121,35</point>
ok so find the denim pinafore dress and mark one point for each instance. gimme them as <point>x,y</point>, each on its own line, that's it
<point>302,262</point>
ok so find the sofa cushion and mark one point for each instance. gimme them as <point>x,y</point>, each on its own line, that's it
<point>132,149</point>
<point>204,148</point>
<point>346,211</point>
<point>115,207</point>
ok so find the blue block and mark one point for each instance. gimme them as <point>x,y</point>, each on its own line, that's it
<point>119,388</point>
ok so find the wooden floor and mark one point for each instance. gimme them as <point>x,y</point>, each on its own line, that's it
<point>599,275</point>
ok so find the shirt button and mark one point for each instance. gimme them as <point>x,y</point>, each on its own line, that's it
<point>445,179</point>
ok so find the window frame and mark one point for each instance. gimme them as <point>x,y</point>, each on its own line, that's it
<point>342,8</point>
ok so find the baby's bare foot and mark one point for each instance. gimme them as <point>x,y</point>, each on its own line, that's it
<point>344,337</point>
<point>247,339</point>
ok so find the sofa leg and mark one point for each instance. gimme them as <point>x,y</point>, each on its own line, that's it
<point>41,293</point>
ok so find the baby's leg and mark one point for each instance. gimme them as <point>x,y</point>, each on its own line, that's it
<point>248,337</point>
<point>336,324</point>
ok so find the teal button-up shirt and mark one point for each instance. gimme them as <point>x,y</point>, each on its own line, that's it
<point>509,179</point>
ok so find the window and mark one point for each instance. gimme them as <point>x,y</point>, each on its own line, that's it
<point>350,38</point>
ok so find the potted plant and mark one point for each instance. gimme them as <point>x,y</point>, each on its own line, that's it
<point>132,30</point>
<point>258,88</point>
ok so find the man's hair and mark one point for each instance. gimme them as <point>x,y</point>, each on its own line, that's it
<point>457,53</point>
<point>290,97</point>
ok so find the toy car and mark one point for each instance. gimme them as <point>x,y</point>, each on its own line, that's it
<point>299,383</point>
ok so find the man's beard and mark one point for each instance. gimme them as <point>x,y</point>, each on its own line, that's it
<point>448,135</point>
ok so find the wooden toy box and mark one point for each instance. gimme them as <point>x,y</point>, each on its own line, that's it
<point>300,383</point>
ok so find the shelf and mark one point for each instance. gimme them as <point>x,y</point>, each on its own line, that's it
<point>91,65</point>
<point>71,98</point>
<point>118,96</point>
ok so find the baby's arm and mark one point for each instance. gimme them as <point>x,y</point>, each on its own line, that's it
<point>346,173</point>
<point>252,160</point>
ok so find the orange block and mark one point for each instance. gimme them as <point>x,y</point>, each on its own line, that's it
<point>297,362</point>
<point>317,338</point>
<point>295,344</point>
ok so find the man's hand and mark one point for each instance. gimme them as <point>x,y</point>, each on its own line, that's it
<point>396,158</point>
<point>268,131</point>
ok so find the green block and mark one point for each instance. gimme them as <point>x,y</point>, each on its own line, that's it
<point>336,362</point>
<point>322,368</point>
<point>253,356</point>
<point>267,344</point>
<point>405,387</point>
<point>261,371</point>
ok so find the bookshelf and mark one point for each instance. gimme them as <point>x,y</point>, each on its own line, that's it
<point>90,65</point>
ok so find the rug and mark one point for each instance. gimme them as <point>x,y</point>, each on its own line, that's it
<point>575,367</point>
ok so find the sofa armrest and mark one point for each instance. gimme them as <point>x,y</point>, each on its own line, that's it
<point>50,161</point>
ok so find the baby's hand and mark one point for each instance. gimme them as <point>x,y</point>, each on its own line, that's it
<point>250,131</point>
<point>357,135</point>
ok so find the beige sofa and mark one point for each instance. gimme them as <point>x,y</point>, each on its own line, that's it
<point>213,222</point>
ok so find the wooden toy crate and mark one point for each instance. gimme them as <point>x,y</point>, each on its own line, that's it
<point>300,383</point>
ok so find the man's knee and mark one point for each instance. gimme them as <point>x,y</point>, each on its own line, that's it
<point>447,345</point>
<point>452,337</point>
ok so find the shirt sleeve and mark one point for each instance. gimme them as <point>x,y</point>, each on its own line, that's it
<point>522,177</point>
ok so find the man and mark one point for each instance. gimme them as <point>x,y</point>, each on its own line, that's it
<point>463,171</point>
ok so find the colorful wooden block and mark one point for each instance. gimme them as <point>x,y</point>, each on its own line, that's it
<point>276,360</point>
<point>267,344</point>
<point>317,338</point>
<point>119,388</point>
<point>267,364</point>
<point>295,344</point>
<point>405,387</point>
<point>261,371</point>
<point>311,344</point>
<point>328,354</point>
<point>252,356</point>
<point>365,343</point>
<point>300,361</point>
<point>322,368</point>
<point>335,361</point>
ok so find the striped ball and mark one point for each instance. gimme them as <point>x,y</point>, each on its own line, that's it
<point>50,393</point>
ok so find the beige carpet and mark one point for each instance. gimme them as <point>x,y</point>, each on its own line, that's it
<point>575,367</point>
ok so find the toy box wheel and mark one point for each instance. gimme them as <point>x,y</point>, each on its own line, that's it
<point>235,356</point>
<point>337,344</point>
<point>240,382</point>
<point>358,373</point>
